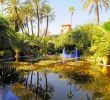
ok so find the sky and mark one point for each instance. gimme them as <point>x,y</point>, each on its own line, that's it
<point>63,16</point>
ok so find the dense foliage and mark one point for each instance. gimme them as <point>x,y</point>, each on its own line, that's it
<point>91,40</point>
<point>5,29</point>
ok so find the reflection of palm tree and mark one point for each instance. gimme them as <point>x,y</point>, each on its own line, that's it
<point>8,74</point>
<point>47,90</point>
<point>70,94</point>
<point>27,80</point>
<point>32,86</point>
<point>46,84</point>
<point>31,78</point>
<point>88,97</point>
<point>42,92</point>
<point>29,84</point>
<point>37,88</point>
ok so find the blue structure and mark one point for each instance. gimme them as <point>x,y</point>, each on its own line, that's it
<point>75,55</point>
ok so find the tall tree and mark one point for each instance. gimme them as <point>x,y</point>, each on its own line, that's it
<point>36,4</point>
<point>28,12</point>
<point>96,5</point>
<point>71,9</point>
<point>48,15</point>
<point>13,10</point>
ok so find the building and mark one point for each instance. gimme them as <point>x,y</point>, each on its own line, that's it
<point>65,28</point>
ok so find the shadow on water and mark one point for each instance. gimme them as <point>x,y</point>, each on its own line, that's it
<point>8,74</point>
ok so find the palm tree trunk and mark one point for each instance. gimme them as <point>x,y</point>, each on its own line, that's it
<point>22,28</point>
<point>71,19</point>
<point>32,28</point>
<point>28,28</point>
<point>38,21</point>
<point>97,13</point>
<point>17,56</point>
<point>16,21</point>
<point>27,25</point>
<point>47,26</point>
<point>16,25</point>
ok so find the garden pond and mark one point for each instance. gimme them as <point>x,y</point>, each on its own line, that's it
<point>53,80</point>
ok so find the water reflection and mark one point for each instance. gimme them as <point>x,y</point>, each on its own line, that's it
<point>70,94</point>
<point>49,86</point>
<point>8,74</point>
<point>43,91</point>
<point>79,77</point>
<point>64,85</point>
<point>7,94</point>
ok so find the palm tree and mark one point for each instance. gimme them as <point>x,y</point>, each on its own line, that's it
<point>36,4</point>
<point>71,9</point>
<point>17,43</point>
<point>28,12</point>
<point>41,15</point>
<point>96,5</point>
<point>13,10</point>
<point>48,14</point>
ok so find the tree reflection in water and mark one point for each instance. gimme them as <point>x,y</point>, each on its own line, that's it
<point>81,82</point>
<point>96,86</point>
<point>42,91</point>
<point>70,94</point>
<point>8,74</point>
<point>79,77</point>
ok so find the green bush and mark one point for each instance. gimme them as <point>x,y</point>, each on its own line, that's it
<point>2,53</point>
